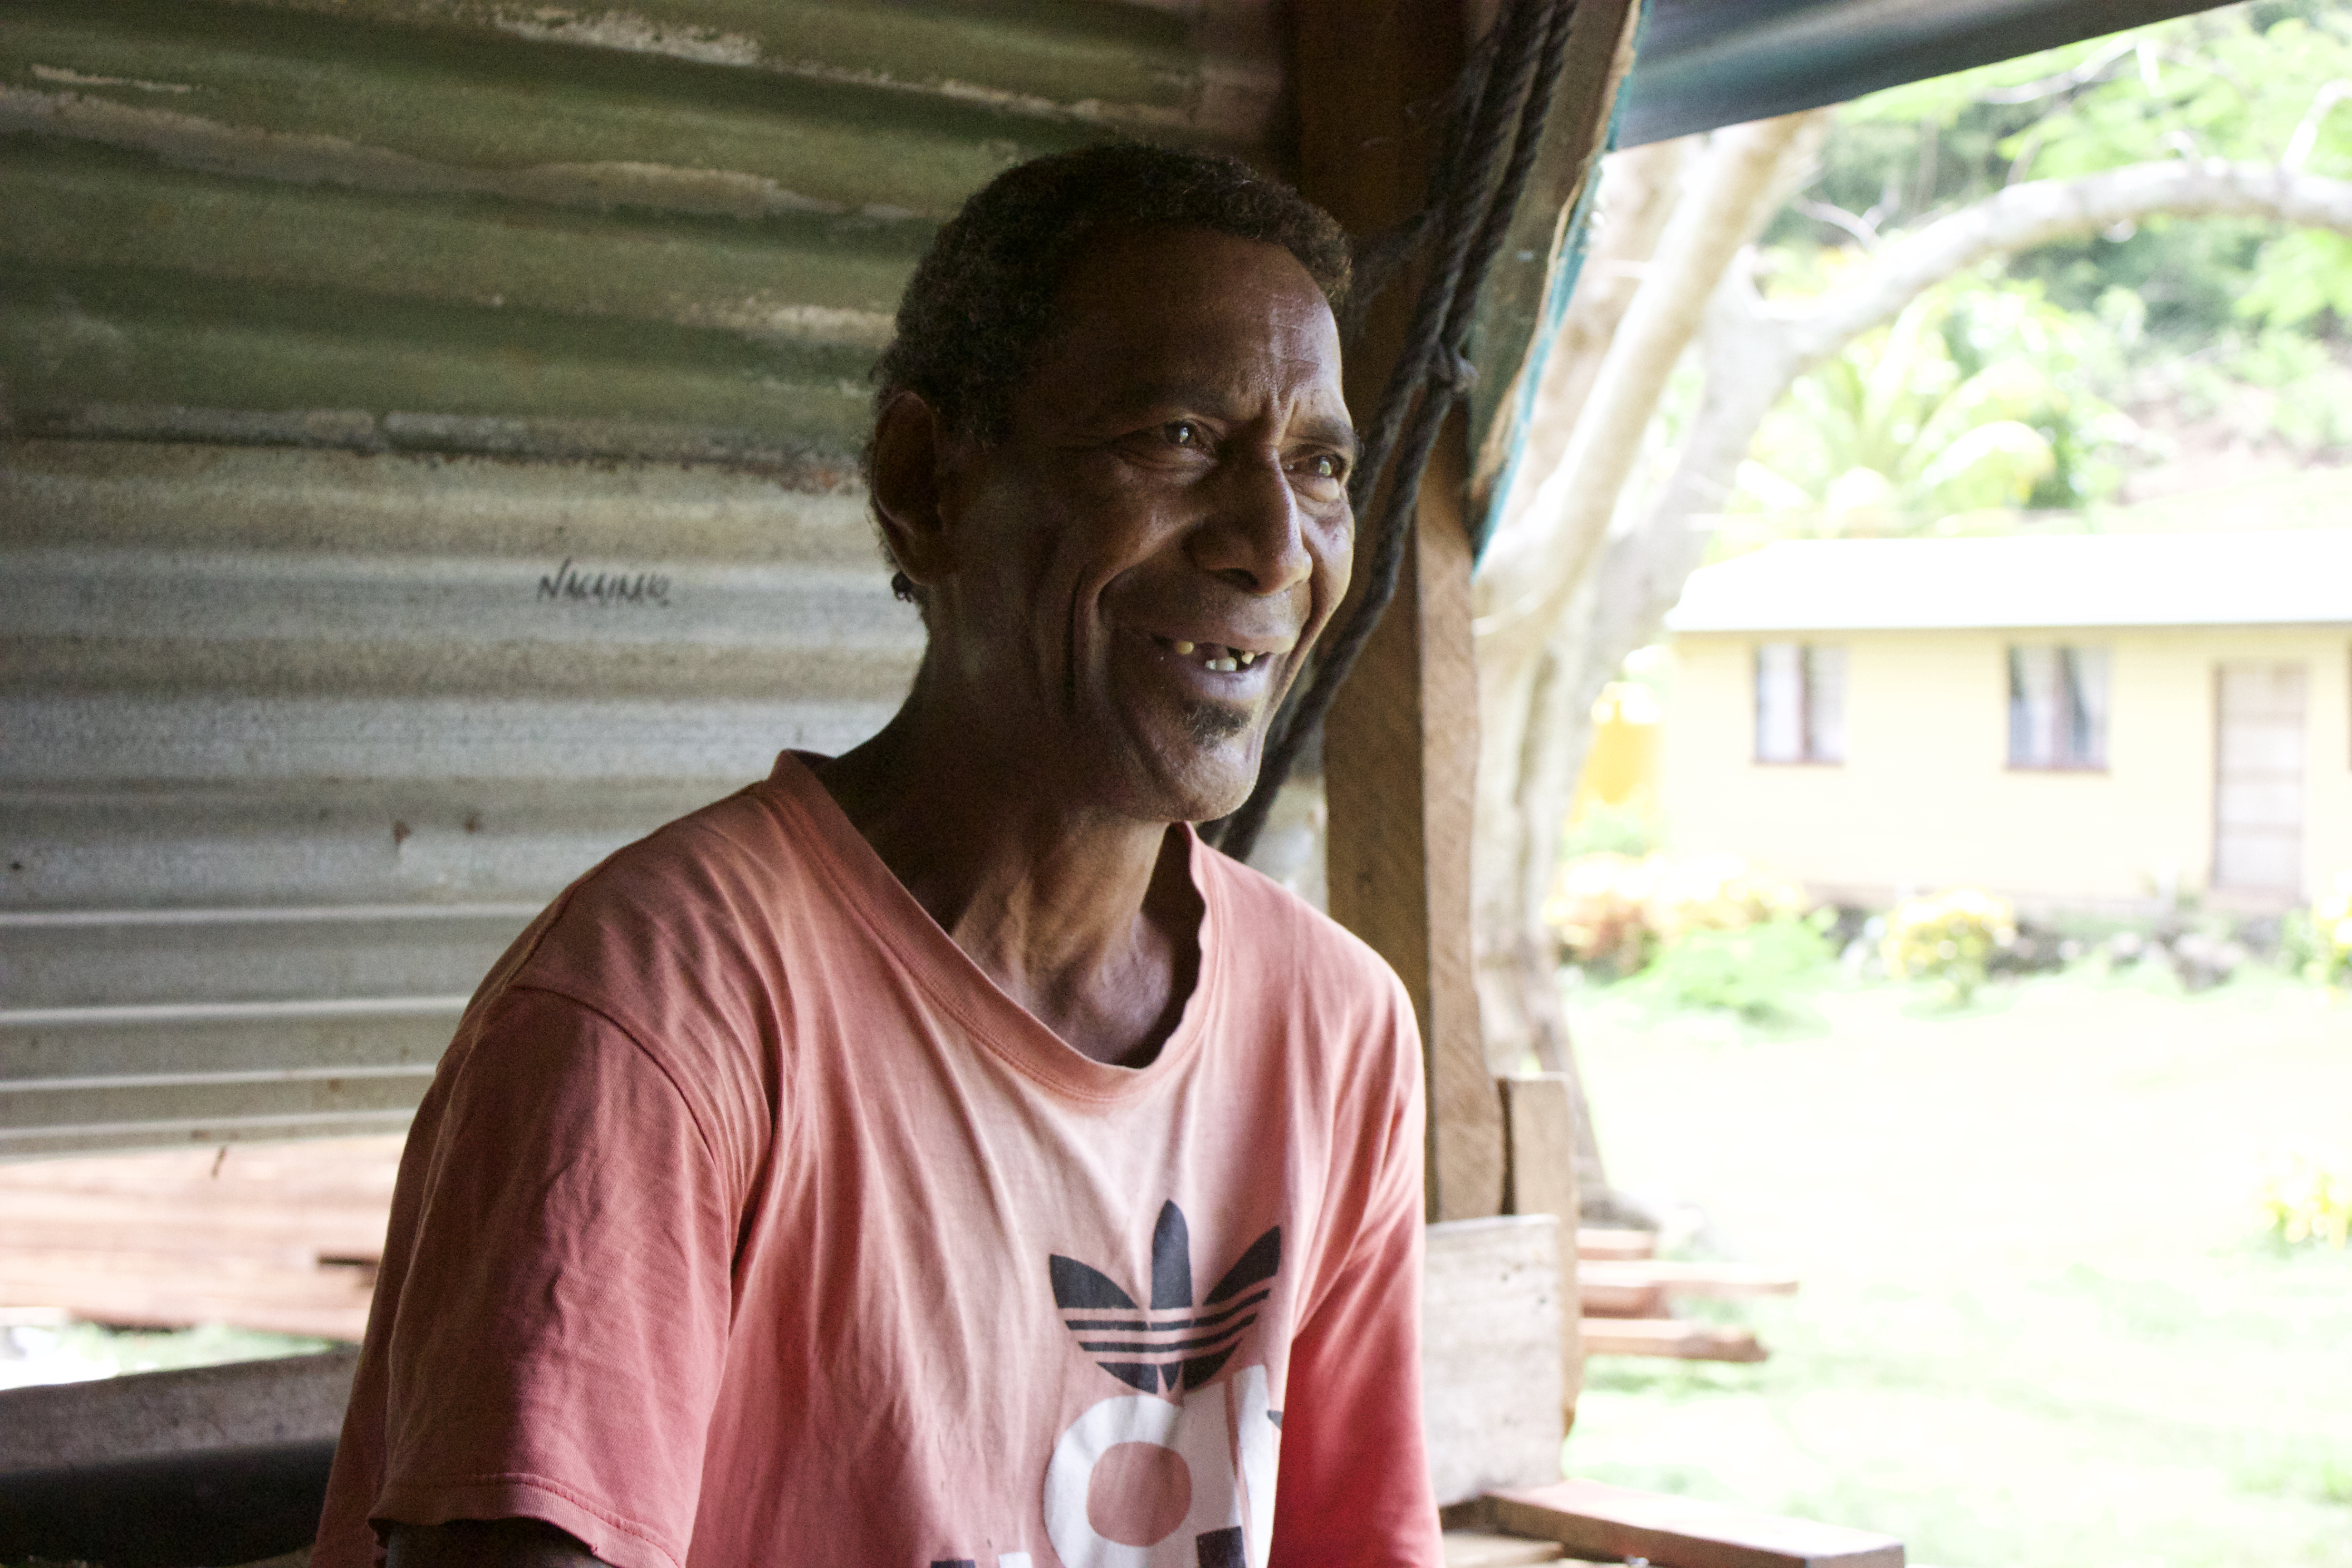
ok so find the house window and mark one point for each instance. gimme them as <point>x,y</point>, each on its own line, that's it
<point>1800,703</point>
<point>2057,707</point>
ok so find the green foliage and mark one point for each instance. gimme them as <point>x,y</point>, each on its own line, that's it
<point>1760,973</point>
<point>1973,401</point>
<point>1613,912</point>
<point>2256,83</point>
<point>2303,274</point>
<point>1948,938</point>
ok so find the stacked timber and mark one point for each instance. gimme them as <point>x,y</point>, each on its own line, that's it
<point>1627,1295</point>
<point>284,1238</point>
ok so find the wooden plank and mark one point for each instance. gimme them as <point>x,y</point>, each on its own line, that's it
<point>1400,742</point>
<point>1491,1306</point>
<point>1482,1549</point>
<point>1672,1337</point>
<point>1603,1244</point>
<point>1615,1299</point>
<point>1540,1135</point>
<point>277,1237</point>
<point>1714,1280</point>
<point>1595,1521</point>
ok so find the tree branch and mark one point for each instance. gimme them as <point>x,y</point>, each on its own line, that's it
<point>2039,211</point>
<point>1536,562</point>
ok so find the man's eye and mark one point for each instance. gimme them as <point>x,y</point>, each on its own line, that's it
<point>1324,466</point>
<point>1184,433</point>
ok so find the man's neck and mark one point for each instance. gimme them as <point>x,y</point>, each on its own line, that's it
<point>1091,922</point>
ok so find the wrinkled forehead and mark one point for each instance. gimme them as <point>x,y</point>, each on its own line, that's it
<point>1189,306</point>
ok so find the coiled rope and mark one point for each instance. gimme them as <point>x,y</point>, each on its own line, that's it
<point>1502,99</point>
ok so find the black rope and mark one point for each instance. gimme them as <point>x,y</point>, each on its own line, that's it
<point>1490,149</point>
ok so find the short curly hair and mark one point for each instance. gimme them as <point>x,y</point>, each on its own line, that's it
<point>981,305</point>
<point>977,312</point>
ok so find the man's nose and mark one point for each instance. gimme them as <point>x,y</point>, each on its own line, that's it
<point>1256,536</point>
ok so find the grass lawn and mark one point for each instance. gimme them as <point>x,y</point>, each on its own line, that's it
<point>2040,1325</point>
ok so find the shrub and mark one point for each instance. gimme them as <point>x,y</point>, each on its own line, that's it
<point>1616,913</point>
<point>2304,1201</point>
<point>1756,971</point>
<point>1948,938</point>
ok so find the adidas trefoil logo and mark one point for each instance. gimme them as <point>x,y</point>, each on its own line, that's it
<point>1173,1341</point>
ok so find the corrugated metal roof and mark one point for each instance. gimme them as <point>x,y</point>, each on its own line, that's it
<point>2301,577</point>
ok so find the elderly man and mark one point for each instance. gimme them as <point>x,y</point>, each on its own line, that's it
<point>935,1154</point>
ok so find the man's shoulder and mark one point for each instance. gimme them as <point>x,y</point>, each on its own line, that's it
<point>747,837</point>
<point>1274,931</point>
<point>709,891</point>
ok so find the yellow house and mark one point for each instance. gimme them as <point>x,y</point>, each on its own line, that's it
<point>2088,720</point>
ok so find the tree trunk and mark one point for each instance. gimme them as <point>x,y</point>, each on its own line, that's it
<point>1540,668</point>
<point>1518,1000</point>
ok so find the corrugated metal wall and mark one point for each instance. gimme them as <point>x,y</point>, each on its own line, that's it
<point>429,465</point>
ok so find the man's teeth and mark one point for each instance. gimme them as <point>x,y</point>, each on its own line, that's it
<point>1222,659</point>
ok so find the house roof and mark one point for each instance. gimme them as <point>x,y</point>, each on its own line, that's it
<point>2300,577</point>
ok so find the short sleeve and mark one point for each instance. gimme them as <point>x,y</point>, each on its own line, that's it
<point>561,1324</point>
<point>1354,1489</point>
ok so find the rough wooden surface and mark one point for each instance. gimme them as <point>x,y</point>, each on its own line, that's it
<point>1491,1305</point>
<point>155,1415</point>
<point>1611,1522</point>
<point>1400,742</point>
<point>1539,1131</point>
<point>280,1236</point>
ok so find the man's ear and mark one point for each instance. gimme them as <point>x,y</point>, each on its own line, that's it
<point>913,453</point>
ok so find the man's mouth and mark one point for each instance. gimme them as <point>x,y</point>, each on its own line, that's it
<point>1209,655</point>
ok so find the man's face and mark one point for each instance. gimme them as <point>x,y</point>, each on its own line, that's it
<point>1141,564</point>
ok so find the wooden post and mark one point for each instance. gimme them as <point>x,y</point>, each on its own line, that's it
<point>1401,742</point>
<point>1539,1129</point>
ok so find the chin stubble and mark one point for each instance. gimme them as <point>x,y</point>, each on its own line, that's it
<point>1211,722</point>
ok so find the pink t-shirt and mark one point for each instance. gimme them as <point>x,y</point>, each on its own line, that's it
<point>748,1223</point>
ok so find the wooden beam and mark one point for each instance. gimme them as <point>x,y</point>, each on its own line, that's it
<point>1401,742</point>
<point>1675,1338</point>
<point>1491,1302</point>
<point>1719,1281</point>
<point>1604,1243</point>
<point>1611,1523</point>
<point>1618,1298</point>
<point>1539,1129</point>
<point>283,1236</point>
